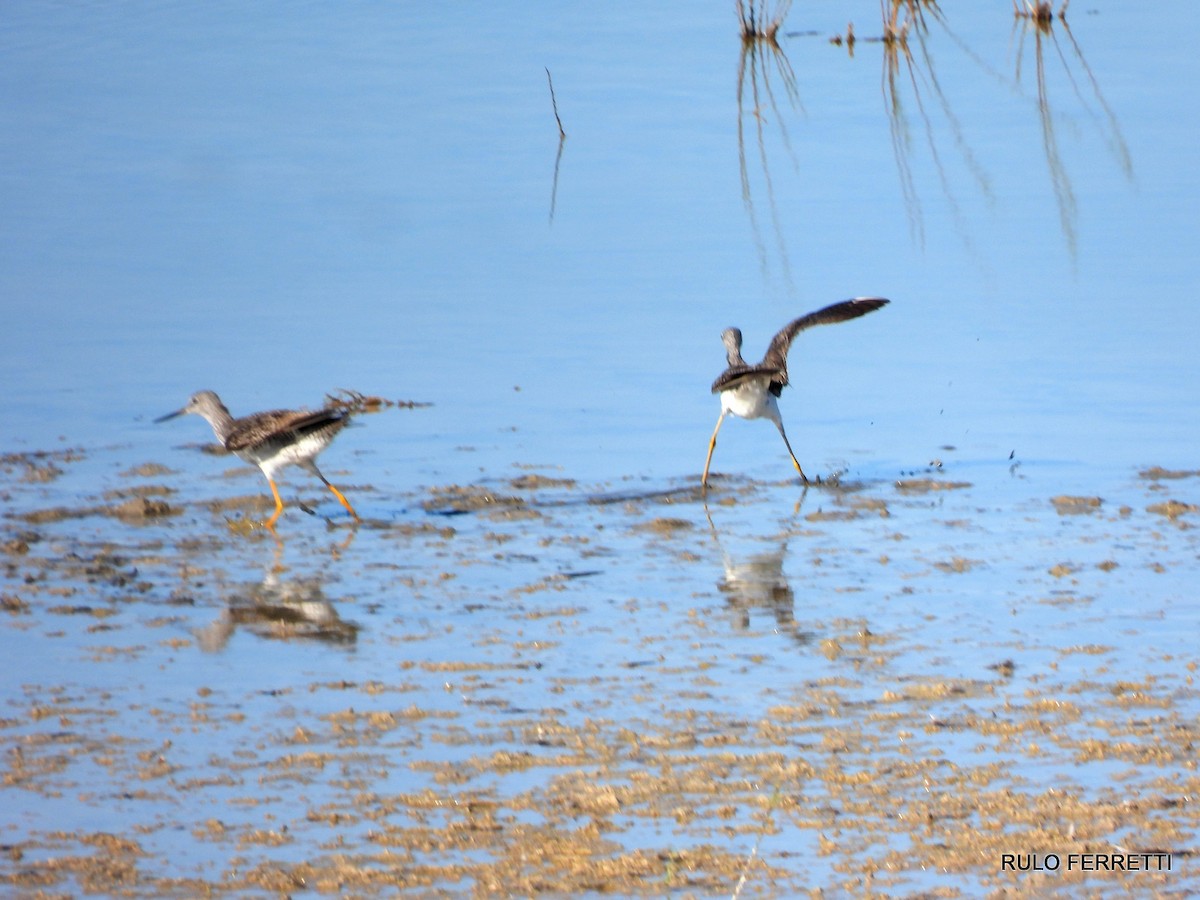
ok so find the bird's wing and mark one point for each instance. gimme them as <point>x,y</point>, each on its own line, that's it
<point>777,352</point>
<point>284,425</point>
<point>737,375</point>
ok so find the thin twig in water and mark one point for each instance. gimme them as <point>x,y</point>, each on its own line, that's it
<point>737,890</point>
<point>554,188</point>
<point>357,402</point>
<point>562,138</point>
<point>554,103</point>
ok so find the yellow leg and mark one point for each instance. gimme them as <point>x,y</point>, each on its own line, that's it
<point>712,445</point>
<point>795,462</point>
<point>342,499</point>
<point>312,467</point>
<point>270,523</point>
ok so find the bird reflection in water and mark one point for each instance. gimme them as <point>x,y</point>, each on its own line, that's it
<point>280,608</point>
<point>754,582</point>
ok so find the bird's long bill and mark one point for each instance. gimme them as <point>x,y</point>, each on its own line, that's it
<point>170,415</point>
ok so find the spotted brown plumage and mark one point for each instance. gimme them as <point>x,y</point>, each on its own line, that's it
<point>272,440</point>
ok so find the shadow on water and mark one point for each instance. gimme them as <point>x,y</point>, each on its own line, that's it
<point>1044,24</point>
<point>762,60</point>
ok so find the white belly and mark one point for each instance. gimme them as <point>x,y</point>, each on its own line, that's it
<point>751,400</point>
<point>299,454</point>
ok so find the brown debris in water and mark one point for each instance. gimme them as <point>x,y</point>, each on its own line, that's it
<point>141,508</point>
<point>1172,509</point>
<point>38,466</point>
<point>358,403</point>
<point>849,506</point>
<point>927,485</point>
<point>534,482</point>
<point>147,470</point>
<point>132,510</point>
<point>871,771</point>
<point>546,803</point>
<point>832,515</point>
<point>1158,473</point>
<point>664,526</point>
<point>468,498</point>
<point>1066,505</point>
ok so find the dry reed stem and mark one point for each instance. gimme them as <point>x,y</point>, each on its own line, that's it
<point>756,23</point>
<point>554,104</point>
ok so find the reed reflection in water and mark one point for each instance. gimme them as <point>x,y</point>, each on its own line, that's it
<point>924,125</point>
<point>904,20</point>
<point>761,60</point>
<point>1044,24</point>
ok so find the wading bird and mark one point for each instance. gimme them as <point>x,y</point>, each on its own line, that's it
<point>272,440</point>
<point>751,391</point>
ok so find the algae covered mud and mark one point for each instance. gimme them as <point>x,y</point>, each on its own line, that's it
<point>956,681</point>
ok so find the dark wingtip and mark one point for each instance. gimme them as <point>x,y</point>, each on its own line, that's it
<point>857,306</point>
<point>871,303</point>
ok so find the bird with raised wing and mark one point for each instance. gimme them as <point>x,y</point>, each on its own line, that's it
<point>272,440</point>
<point>751,391</point>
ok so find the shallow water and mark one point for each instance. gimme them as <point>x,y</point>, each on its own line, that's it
<point>599,678</point>
<point>592,679</point>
